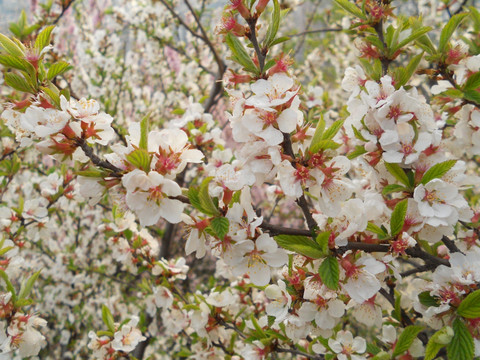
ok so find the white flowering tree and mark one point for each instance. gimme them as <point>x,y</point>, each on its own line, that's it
<point>263,179</point>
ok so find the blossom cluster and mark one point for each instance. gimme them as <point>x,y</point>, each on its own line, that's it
<point>271,210</point>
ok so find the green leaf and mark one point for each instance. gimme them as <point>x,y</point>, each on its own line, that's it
<point>91,172</point>
<point>317,136</point>
<point>27,286</point>
<point>279,40</point>
<point>143,144</point>
<point>206,202</point>
<point>473,81</point>
<point>240,54</point>
<point>57,69</point>
<point>398,173</point>
<point>437,171</point>
<point>358,134</point>
<point>461,347</point>
<point>108,318</point>
<point>11,47</point>
<point>427,300</point>
<point>322,240</point>
<point>273,25</point>
<point>351,8</point>
<point>52,95</point>
<point>43,39</point>
<point>413,36</point>
<point>301,245</point>
<point>437,341</point>
<point>409,70</point>
<point>375,229</point>
<point>372,348</point>
<point>405,339</point>
<point>448,30</point>
<point>398,217</point>
<point>140,158</point>
<point>392,188</point>
<point>18,83</point>
<point>324,145</point>
<point>220,225</point>
<point>359,150</point>
<point>470,306</point>
<point>329,272</point>
<point>332,130</point>
<point>472,95</point>
<point>194,198</point>
<point>17,63</point>
<point>8,284</point>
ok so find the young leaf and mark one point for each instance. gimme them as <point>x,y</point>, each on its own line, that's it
<point>375,229</point>
<point>240,53</point>
<point>473,82</point>
<point>437,171</point>
<point>140,158</point>
<point>427,300</point>
<point>57,69</point>
<point>143,144</point>
<point>398,217</point>
<point>332,130</point>
<point>273,26</point>
<point>405,339</point>
<point>470,306</point>
<point>279,40</point>
<point>108,318</point>
<point>329,272</point>
<point>413,36</point>
<point>392,188</point>
<point>18,83</point>
<point>438,341</point>
<point>317,136</point>
<point>398,173</point>
<point>322,240</point>
<point>220,225</point>
<point>8,285</point>
<point>472,95</point>
<point>206,202</point>
<point>359,150</point>
<point>11,47</point>
<point>351,8</point>
<point>43,39</point>
<point>448,30</point>
<point>324,145</point>
<point>26,287</point>
<point>409,70</point>
<point>300,244</point>
<point>17,63</point>
<point>461,347</point>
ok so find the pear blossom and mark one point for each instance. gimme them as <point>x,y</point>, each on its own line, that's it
<point>43,122</point>
<point>439,202</point>
<point>275,91</point>
<point>361,283</point>
<point>348,348</point>
<point>281,300</point>
<point>326,312</point>
<point>128,337</point>
<point>148,196</point>
<point>256,258</point>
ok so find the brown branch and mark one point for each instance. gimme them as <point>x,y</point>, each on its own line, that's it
<point>117,172</point>
<point>450,244</point>
<point>314,32</point>
<point>64,9</point>
<point>384,60</point>
<point>252,23</point>
<point>180,20</point>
